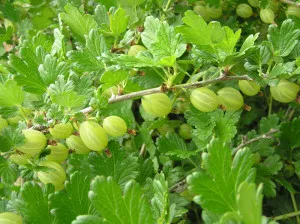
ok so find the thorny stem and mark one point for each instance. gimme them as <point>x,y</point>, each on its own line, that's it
<point>159,89</point>
<point>264,136</point>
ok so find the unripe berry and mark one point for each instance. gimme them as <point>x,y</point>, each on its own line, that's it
<point>244,10</point>
<point>230,98</point>
<point>58,153</point>
<point>93,135</point>
<point>185,131</point>
<point>35,141</point>
<point>10,218</point>
<point>288,170</point>
<point>249,88</point>
<point>129,146</point>
<point>293,11</point>
<point>285,91</point>
<point>256,158</point>
<point>157,104</point>
<point>61,131</point>
<point>74,142</point>
<point>202,11</point>
<point>254,3</point>
<point>214,12</point>
<point>110,92</point>
<point>165,128</point>
<point>204,99</point>
<point>135,49</point>
<point>20,159</point>
<point>115,126</point>
<point>267,15</point>
<point>56,175</point>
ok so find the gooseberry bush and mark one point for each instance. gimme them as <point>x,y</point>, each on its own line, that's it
<point>149,111</point>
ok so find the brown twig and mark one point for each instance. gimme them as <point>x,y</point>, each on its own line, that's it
<point>179,187</point>
<point>159,89</point>
<point>264,136</point>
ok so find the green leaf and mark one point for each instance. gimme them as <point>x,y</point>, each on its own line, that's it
<point>11,137</point>
<point>108,199</point>
<point>10,94</point>
<point>33,203</point>
<point>112,78</point>
<point>268,123</point>
<point>162,41</point>
<point>146,170</point>
<point>143,59</point>
<point>288,140</point>
<point>52,68</point>
<point>10,11</point>
<point>130,3</point>
<point>182,154</point>
<point>270,166</point>
<point>8,172</point>
<point>218,123</point>
<point>6,33</point>
<point>88,219</point>
<point>73,201</point>
<point>80,25</point>
<point>89,58</point>
<point>69,99</point>
<point>28,75</point>
<point>198,32</point>
<point>228,43</point>
<point>225,128</point>
<point>249,202</point>
<point>269,186</point>
<point>58,46</point>
<point>171,141</point>
<point>160,201</point>
<point>121,167</point>
<point>249,42</point>
<point>216,190</point>
<point>284,39</point>
<point>101,16</point>
<point>118,22</point>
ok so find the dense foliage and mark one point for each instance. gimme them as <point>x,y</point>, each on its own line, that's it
<point>149,111</point>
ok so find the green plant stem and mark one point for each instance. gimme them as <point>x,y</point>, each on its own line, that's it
<point>286,216</point>
<point>168,5</point>
<point>196,166</point>
<point>270,106</point>
<point>295,206</point>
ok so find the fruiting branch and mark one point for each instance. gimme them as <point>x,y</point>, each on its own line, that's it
<point>267,135</point>
<point>291,3</point>
<point>160,89</point>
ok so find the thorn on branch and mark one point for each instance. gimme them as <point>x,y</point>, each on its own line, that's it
<point>246,142</point>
